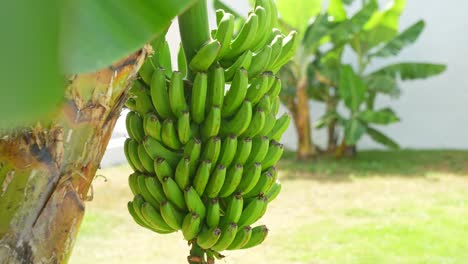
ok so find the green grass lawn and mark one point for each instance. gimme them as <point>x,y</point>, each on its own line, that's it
<point>382,207</point>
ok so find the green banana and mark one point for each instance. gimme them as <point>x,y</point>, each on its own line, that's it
<point>141,181</point>
<point>171,215</point>
<point>191,226</point>
<point>219,15</point>
<point>199,91</point>
<point>275,151</point>
<point>274,191</point>
<point>162,169</point>
<point>206,56</point>
<point>146,71</point>
<point>193,151</point>
<point>275,89</point>
<point>258,88</point>
<point>275,105</point>
<point>213,212</point>
<point>280,127</point>
<point>233,210</point>
<point>182,173</point>
<point>128,156</point>
<point>133,183</point>
<point>216,181</point>
<point>269,22</point>
<point>260,61</point>
<point>252,212</point>
<point>157,150</point>
<point>239,122</point>
<point>137,203</point>
<point>177,94</point>
<point>159,94</point>
<point>243,62</point>
<point>173,193</point>
<point>132,151</point>
<point>183,127</point>
<point>276,48</point>
<point>142,98</point>
<point>270,121</point>
<point>265,104</point>
<point>136,217</point>
<point>181,61</point>
<point>216,84</point>
<point>152,126</point>
<point>134,125</point>
<point>225,33</point>
<point>228,233</point>
<point>155,189</point>
<point>259,235</point>
<point>289,48</point>
<point>264,26</point>
<point>194,202</point>
<point>153,217</point>
<point>246,37</point>
<point>233,178</point>
<point>228,150</point>
<point>244,147</point>
<point>236,94</point>
<point>263,185</point>
<point>257,123</point>
<point>259,150</point>
<point>169,135</point>
<point>164,57</point>
<point>210,127</point>
<point>202,176</point>
<point>145,159</point>
<point>208,238</point>
<point>242,237</point>
<point>250,178</point>
<point>212,150</point>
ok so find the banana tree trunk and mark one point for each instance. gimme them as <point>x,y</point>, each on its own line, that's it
<point>46,170</point>
<point>301,117</point>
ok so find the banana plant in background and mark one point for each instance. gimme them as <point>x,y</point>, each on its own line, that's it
<point>204,160</point>
<point>371,33</point>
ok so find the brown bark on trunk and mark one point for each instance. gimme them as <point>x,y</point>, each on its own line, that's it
<point>301,116</point>
<point>332,140</point>
<point>46,170</point>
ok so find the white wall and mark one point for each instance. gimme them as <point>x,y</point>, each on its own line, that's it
<point>434,112</point>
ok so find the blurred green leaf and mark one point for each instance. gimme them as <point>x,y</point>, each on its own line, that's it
<point>297,13</point>
<point>326,119</point>
<point>99,33</point>
<point>381,138</point>
<point>411,71</point>
<point>348,28</point>
<point>354,130</point>
<point>382,83</point>
<point>352,89</point>
<point>31,85</point>
<point>337,10</point>
<point>407,37</point>
<point>318,29</point>
<point>383,116</point>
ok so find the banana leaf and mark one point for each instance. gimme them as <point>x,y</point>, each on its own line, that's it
<point>351,88</point>
<point>411,70</point>
<point>383,116</point>
<point>381,138</point>
<point>354,130</point>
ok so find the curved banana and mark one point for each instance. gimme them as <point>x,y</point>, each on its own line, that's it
<point>177,94</point>
<point>289,49</point>
<point>153,217</point>
<point>252,212</point>
<point>141,98</point>
<point>263,185</point>
<point>216,85</point>
<point>202,176</point>
<point>274,191</point>
<point>216,181</point>
<point>193,151</point>
<point>228,233</point>
<point>270,121</point>
<point>228,150</point>
<point>155,189</point>
<point>191,226</point>
<point>206,56</point>
<point>233,178</point>
<point>234,209</point>
<point>182,61</point>
<point>280,127</point>
<point>162,169</point>
<point>141,180</point>
<point>225,33</point>
<point>152,126</point>
<point>242,237</point>
<point>259,235</point>
<point>146,71</point>
<point>184,131</point>
<point>212,150</point>
<point>264,26</point>
<point>250,178</point>
<point>257,123</point>
<point>159,93</point>
<point>156,150</point>
<point>128,156</point>
<point>236,93</point>
<point>132,182</point>
<point>260,61</point>
<point>243,62</point>
<point>208,238</point>
<point>173,193</point>
<point>199,91</point>
<point>246,37</point>
<point>239,122</point>
<point>276,48</point>
<point>275,105</point>
<point>182,173</point>
<point>146,161</point>
<point>134,125</point>
<point>259,87</point>
<point>244,147</point>
<point>194,202</point>
<point>213,212</point>
<point>274,154</point>
<point>259,150</point>
<point>265,104</point>
<point>132,151</point>
<point>171,215</point>
<point>210,127</point>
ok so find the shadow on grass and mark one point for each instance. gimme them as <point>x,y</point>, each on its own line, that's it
<point>401,163</point>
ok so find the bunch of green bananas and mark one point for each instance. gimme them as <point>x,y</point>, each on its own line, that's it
<point>204,150</point>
